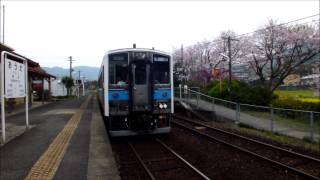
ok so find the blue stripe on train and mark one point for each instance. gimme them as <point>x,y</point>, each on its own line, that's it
<point>116,95</point>
<point>162,94</point>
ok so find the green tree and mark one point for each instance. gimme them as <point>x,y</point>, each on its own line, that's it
<point>68,83</point>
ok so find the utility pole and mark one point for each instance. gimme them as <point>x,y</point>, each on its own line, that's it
<point>0,21</point>
<point>181,53</point>
<point>3,7</point>
<point>78,83</point>
<point>70,71</point>
<point>229,39</point>
<point>83,86</point>
<point>182,72</point>
<point>229,55</point>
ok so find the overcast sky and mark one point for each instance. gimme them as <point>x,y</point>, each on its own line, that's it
<point>50,31</point>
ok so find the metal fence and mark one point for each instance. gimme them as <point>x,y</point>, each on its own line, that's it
<point>291,122</point>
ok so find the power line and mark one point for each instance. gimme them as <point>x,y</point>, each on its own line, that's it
<point>313,21</point>
<point>286,23</point>
<point>289,22</point>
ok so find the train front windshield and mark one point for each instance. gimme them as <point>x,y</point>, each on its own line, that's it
<point>161,70</point>
<point>118,69</point>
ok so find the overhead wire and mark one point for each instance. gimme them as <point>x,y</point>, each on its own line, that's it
<point>286,23</point>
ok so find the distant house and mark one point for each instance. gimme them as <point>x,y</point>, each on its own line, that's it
<point>58,88</point>
<point>311,80</point>
<point>292,80</point>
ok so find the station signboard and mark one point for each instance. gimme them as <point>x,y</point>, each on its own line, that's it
<point>15,85</point>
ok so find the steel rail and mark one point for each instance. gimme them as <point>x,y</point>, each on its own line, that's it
<point>141,162</point>
<point>248,152</point>
<point>185,162</point>
<point>251,140</point>
<point>175,154</point>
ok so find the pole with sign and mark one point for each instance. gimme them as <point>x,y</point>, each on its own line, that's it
<point>14,84</point>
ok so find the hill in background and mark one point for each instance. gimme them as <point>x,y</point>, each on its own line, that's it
<point>90,73</point>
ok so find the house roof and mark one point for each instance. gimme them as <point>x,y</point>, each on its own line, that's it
<point>4,47</point>
<point>31,63</point>
<point>39,71</point>
<point>311,76</point>
<point>33,67</point>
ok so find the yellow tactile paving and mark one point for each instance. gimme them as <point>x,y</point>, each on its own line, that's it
<point>47,165</point>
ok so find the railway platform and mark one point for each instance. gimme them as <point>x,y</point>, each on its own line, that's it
<point>15,126</point>
<point>68,141</point>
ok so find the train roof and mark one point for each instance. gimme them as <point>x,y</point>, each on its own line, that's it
<point>137,50</point>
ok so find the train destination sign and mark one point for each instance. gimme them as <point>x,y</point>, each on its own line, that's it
<point>15,85</point>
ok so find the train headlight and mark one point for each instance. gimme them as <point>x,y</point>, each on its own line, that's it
<point>161,106</point>
<point>165,106</point>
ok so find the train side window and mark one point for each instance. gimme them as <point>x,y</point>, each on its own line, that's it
<point>161,69</point>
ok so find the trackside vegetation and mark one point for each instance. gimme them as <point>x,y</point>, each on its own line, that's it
<point>242,92</point>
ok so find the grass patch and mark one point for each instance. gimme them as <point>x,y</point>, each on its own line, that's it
<point>305,143</point>
<point>300,99</point>
<point>302,95</point>
<point>311,100</point>
<point>300,122</point>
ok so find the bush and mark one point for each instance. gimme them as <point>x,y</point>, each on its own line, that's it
<point>215,90</point>
<point>209,86</point>
<point>256,95</point>
<point>240,92</point>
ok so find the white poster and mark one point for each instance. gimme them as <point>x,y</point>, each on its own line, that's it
<point>15,85</point>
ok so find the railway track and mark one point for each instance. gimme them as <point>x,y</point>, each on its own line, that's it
<point>160,162</point>
<point>305,166</point>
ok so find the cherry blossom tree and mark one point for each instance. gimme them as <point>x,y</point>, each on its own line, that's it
<point>277,51</point>
<point>273,53</point>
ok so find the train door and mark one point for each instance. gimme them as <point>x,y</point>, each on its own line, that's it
<point>141,86</point>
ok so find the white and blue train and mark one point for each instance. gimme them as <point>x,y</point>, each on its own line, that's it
<point>136,91</point>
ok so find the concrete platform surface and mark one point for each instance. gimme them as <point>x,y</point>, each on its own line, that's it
<point>86,153</point>
<point>13,129</point>
<point>101,164</point>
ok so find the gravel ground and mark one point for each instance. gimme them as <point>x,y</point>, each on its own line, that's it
<point>128,164</point>
<point>220,162</point>
<point>215,160</point>
<point>289,159</point>
<point>159,161</point>
<point>231,127</point>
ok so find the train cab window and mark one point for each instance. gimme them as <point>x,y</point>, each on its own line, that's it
<point>118,69</point>
<point>161,70</point>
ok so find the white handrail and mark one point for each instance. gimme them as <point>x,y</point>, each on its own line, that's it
<point>242,104</point>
